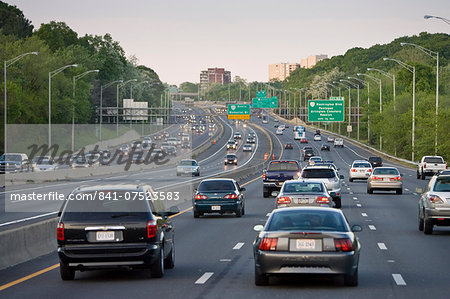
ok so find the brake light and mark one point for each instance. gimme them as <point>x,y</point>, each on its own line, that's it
<point>370,170</point>
<point>231,196</point>
<point>424,165</point>
<point>343,244</point>
<point>436,199</point>
<point>200,196</point>
<point>397,178</point>
<point>322,199</point>
<point>376,178</point>
<point>283,200</point>
<point>264,176</point>
<point>353,170</point>
<point>60,231</point>
<point>152,229</point>
<point>268,244</point>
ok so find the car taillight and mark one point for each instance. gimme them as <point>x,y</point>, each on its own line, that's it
<point>370,170</point>
<point>152,229</point>
<point>343,244</point>
<point>283,200</point>
<point>231,196</point>
<point>60,231</point>
<point>376,178</point>
<point>200,197</point>
<point>268,244</point>
<point>424,165</point>
<point>397,178</point>
<point>322,199</point>
<point>446,166</point>
<point>264,176</point>
<point>436,199</point>
<point>353,170</point>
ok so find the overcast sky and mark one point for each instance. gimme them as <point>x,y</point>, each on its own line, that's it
<point>179,38</point>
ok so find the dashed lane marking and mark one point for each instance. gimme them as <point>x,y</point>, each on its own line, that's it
<point>382,246</point>
<point>399,279</point>
<point>358,205</point>
<point>238,246</point>
<point>372,227</point>
<point>204,278</point>
<point>364,214</point>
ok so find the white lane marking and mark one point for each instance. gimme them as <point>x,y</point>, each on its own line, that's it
<point>372,227</point>
<point>29,218</point>
<point>358,205</point>
<point>410,175</point>
<point>364,214</point>
<point>350,192</point>
<point>225,260</point>
<point>415,193</point>
<point>204,278</point>
<point>238,246</point>
<point>348,188</point>
<point>355,197</point>
<point>382,246</point>
<point>391,261</point>
<point>406,189</point>
<point>399,279</point>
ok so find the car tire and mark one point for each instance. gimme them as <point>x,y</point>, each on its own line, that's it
<point>421,223</point>
<point>196,214</point>
<point>266,193</point>
<point>198,173</point>
<point>369,191</point>
<point>157,269</point>
<point>399,191</point>
<point>243,210</point>
<point>337,203</point>
<point>169,261</point>
<point>66,272</point>
<point>417,174</point>
<point>427,227</point>
<point>351,280</point>
<point>178,174</point>
<point>239,212</point>
<point>261,279</point>
<point>350,180</point>
<point>422,175</point>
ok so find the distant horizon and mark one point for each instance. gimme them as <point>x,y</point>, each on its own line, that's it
<point>179,39</point>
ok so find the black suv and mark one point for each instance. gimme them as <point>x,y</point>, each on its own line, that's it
<point>113,226</point>
<point>375,161</point>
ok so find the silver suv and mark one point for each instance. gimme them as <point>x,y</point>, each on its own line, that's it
<point>434,203</point>
<point>329,176</point>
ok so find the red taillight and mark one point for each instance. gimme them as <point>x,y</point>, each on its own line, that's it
<point>424,165</point>
<point>397,178</point>
<point>370,170</point>
<point>435,199</point>
<point>60,231</point>
<point>353,170</point>
<point>231,196</point>
<point>152,229</point>
<point>446,166</point>
<point>343,245</point>
<point>376,178</point>
<point>268,244</point>
<point>200,196</point>
<point>264,176</point>
<point>283,200</point>
<point>322,199</point>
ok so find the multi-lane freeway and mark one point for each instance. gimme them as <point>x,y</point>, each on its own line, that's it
<point>214,253</point>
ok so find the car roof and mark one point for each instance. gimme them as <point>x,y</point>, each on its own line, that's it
<point>312,209</point>
<point>221,179</point>
<point>112,187</point>
<point>190,160</point>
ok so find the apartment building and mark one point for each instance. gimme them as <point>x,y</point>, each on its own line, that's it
<point>214,75</point>
<point>280,71</point>
<point>311,60</point>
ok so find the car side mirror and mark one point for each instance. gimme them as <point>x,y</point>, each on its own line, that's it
<point>258,228</point>
<point>419,190</point>
<point>275,193</point>
<point>341,177</point>
<point>401,174</point>
<point>357,228</point>
<point>243,189</point>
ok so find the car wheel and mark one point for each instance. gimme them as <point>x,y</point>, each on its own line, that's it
<point>66,272</point>
<point>350,180</point>
<point>266,193</point>
<point>351,280</point>
<point>421,223</point>
<point>169,261</point>
<point>157,269</point>
<point>423,175</point>
<point>399,191</point>
<point>198,173</point>
<point>338,203</point>
<point>427,227</point>
<point>178,174</point>
<point>261,279</point>
<point>239,212</point>
<point>417,174</point>
<point>243,210</point>
<point>369,190</point>
<point>196,214</point>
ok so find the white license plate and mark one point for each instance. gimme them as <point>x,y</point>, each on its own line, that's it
<point>303,200</point>
<point>215,208</point>
<point>306,244</point>
<point>105,236</point>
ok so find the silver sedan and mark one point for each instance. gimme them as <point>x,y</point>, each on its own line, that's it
<point>303,193</point>
<point>385,178</point>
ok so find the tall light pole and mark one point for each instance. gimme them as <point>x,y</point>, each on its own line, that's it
<point>339,83</point>
<point>368,102</point>
<point>75,79</point>
<point>412,69</point>
<point>434,55</point>
<point>117,102</point>
<point>351,84</point>
<point>50,76</point>
<point>435,17</point>
<point>357,102</point>
<point>332,86</point>
<point>390,76</point>
<point>7,63</point>
<point>103,87</point>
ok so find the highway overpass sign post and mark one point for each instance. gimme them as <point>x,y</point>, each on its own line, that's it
<point>265,102</point>
<point>326,110</point>
<point>238,111</point>
<point>261,94</point>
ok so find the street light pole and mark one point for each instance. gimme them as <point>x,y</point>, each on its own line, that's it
<point>7,63</point>
<point>412,69</point>
<point>434,55</point>
<point>368,102</point>
<point>435,17</point>
<point>117,102</point>
<point>50,76</point>
<point>101,102</point>
<point>358,110</point>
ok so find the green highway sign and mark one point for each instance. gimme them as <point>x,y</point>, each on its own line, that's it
<point>326,110</point>
<point>261,94</point>
<point>265,102</point>
<point>238,111</point>
<point>336,98</point>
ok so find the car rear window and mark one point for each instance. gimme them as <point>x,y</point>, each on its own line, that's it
<point>433,160</point>
<point>374,159</point>
<point>302,187</point>
<point>307,220</point>
<point>316,173</point>
<point>283,166</point>
<point>442,184</point>
<point>207,186</point>
<point>392,171</point>
<point>362,165</point>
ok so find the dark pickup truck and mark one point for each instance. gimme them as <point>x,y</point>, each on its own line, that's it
<point>277,172</point>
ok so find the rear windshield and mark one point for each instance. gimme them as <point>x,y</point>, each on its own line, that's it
<point>302,187</point>
<point>17,158</point>
<point>392,171</point>
<point>307,220</point>
<point>433,160</point>
<point>283,166</point>
<point>231,156</point>
<point>318,173</point>
<point>375,159</point>
<point>188,163</point>
<point>216,186</point>
<point>362,165</point>
<point>442,184</point>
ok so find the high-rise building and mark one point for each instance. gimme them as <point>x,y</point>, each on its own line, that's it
<point>214,75</point>
<point>280,71</point>
<point>311,60</point>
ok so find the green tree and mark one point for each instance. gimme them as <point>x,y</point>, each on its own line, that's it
<point>57,35</point>
<point>13,21</point>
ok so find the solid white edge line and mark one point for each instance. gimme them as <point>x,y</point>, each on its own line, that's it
<point>398,279</point>
<point>382,246</point>
<point>204,278</point>
<point>238,246</point>
<point>26,219</point>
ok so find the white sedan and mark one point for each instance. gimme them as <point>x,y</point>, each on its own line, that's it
<point>317,138</point>
<point>279,132</point>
